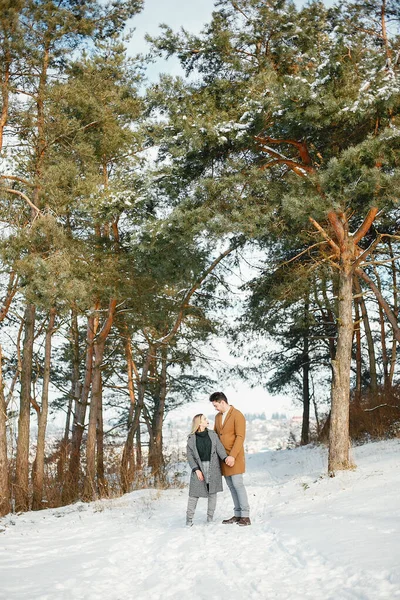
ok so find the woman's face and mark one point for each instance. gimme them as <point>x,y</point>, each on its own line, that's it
<point>204,421</point>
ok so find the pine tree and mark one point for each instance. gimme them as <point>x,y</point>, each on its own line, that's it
<point>36,43</point>
<point>292,126</point>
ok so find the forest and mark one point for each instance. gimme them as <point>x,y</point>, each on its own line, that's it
<point>126,206</point>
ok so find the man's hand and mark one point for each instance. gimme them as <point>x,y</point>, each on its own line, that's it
<point>200,475</point>
<point>230,461</point>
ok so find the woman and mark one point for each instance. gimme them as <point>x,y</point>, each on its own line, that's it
<point>203,453</point>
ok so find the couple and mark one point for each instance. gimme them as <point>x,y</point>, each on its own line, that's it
<point>209,452</point>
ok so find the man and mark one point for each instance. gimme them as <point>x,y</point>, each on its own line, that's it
<point>230,426</point>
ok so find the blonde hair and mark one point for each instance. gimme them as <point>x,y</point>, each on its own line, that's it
<point>196,422</point>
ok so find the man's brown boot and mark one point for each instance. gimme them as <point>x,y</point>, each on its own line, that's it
<point>231,520</point>
<point>244,521</point>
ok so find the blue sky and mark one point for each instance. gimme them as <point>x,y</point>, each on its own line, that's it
<point>175,13</point>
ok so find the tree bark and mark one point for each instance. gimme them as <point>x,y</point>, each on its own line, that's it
<point>391,317</point>
<point>76,390</point>
<point>139,452</point>
<point>38,473</point>
<point>339,441</point>
<point>357,331</point>
<point>101,480</point>
<point>4,479</point>
<point>156,458</point>
<point>5,93</point>
<point>90,487</point>
<point>64,444</point>
<point>70,490</point>
<point>393,359</point>
<point>369,338</point>
<point>128,463</point>
<point>305,429</point>
<point>21,485</point>
<point>142,386</point>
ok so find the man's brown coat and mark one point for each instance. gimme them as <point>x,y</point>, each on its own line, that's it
<point>232,434</point>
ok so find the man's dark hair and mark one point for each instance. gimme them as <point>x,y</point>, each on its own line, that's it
<point>218,396</point>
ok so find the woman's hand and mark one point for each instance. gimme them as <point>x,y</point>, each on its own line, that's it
<point>200,475</point>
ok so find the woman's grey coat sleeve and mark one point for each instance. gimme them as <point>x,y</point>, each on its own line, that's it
<point>221,450</point>
<point>190,458</point>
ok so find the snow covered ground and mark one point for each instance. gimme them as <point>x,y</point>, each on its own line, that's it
<point>312,537</point>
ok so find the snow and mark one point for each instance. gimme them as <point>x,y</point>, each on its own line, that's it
<point>312,537</point>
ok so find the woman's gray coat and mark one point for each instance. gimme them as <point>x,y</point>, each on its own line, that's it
<point>198,489</point>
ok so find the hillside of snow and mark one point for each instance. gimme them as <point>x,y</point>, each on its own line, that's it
<point>312,537</point>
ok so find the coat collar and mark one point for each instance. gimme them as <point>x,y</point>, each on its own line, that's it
<point>192,439</point>
<point>228,416</point>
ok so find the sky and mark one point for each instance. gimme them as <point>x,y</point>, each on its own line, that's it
<point>175,13</point>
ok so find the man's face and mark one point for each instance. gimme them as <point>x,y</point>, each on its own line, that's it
<point>219,405</point>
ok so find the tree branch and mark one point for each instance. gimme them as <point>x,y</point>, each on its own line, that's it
<point>105,330</point>
<point>301,146</point>
<point>337,227</point>
<point>11,291</point>
<point>22,195</point>
<point>189,294</point>
<point>15,178</point>
<point>366,252</point>
<point>363,229</point>
<point>326,236</point>
<point>389,313</point>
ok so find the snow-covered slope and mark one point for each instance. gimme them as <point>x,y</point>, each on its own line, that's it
<point>312,538</point>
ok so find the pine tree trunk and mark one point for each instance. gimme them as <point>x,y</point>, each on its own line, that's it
<point>127,471</point>
<point>70,490</point>
<point>305,429</point>
<point>64,444</point>
<point>348,252</point>
<point>339,441</point>
<point>369,338</point>
<point>5,91</point>
<point>101,479</point>
<point>385,306</point>
<point>142,386</point>
<point>395,312</point>
<point>156,457</point>
<point>357,332</point>
<point>76,391</point>
<point>316,415</point>
<point>90,487</point>
<point>139,452</point>
<point>4,481</point>
<point>38,475</point>
<point>385,358</point>
<point>21,485</point>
